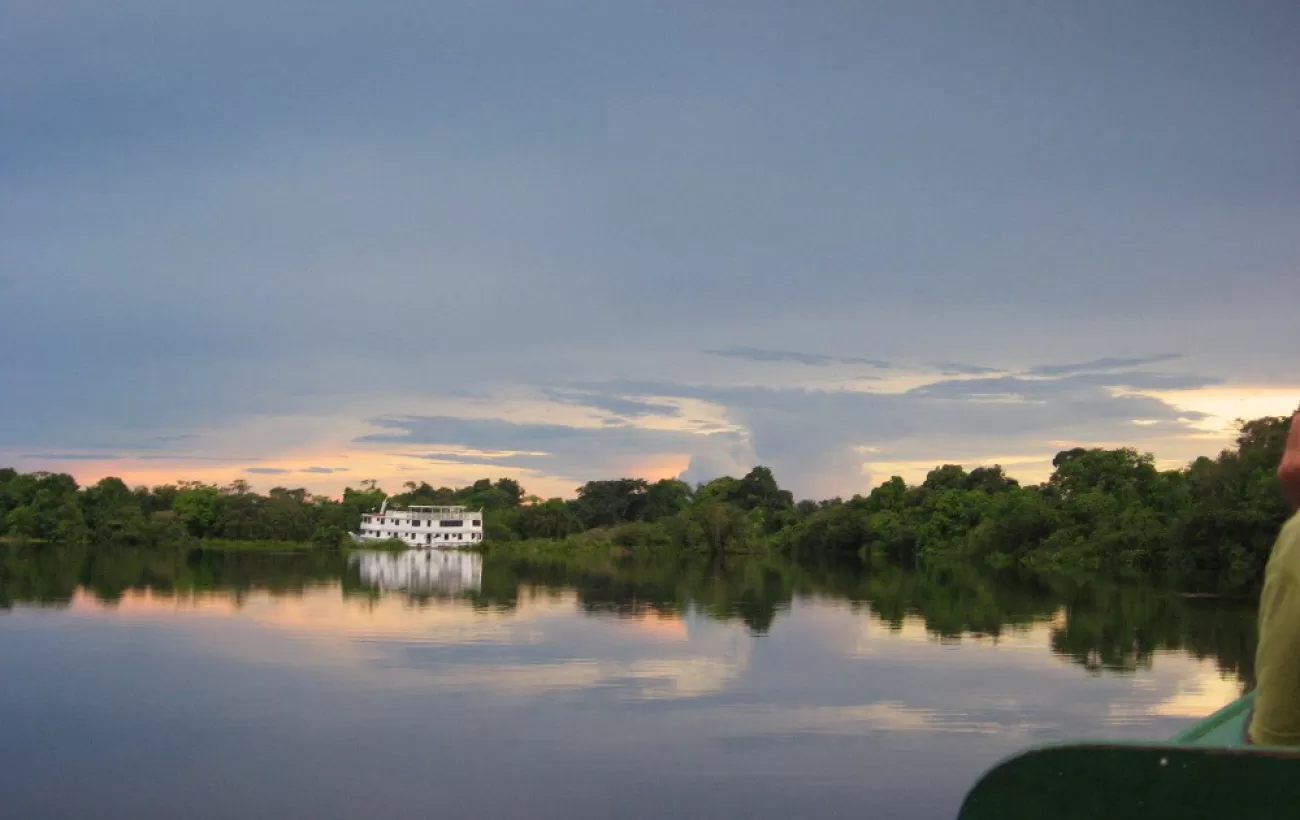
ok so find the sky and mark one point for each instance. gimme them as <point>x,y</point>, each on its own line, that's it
<point>312,243</point>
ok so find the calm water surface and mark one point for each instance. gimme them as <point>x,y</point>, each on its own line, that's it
<point>165,685</point>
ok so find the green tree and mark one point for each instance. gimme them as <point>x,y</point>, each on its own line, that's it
<point>665,498</point>
<point>713,527</point>
<point>606,503</point>
<point>196,507</point>
<point>550,519</point>
<point>947,477</point>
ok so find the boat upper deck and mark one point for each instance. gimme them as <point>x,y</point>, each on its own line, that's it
<point>425,513</point>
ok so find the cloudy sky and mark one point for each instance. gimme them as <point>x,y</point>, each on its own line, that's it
<point>309,243</point>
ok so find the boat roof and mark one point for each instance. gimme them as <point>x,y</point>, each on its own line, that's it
<point>424,508</point>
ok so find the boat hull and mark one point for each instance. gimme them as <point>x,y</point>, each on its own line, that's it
<point>1143,782</point>
<point>362,540</point>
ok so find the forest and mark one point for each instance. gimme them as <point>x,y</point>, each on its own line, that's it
<point>1107,510</point>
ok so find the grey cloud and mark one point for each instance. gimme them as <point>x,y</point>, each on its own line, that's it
<point>759,355</point>
<point>797,400</point>
<point>180,437</point>
<point>809,436</point>
<point>178,457</point>
<point>719,458</point>
<point>883,365</point>
<point>1144,381</point>
<point>125,444</point>
<point>469,461</point>
<point>459,458</point>
<point>1048,388</point>
<point>756,354</point>
<point>770,202</point>
<point>325,470</point>
<point>267,470</point>
<point>500,434</point>
<point>958,368</point>
<point>577,452</point>
<point>476,396</point>
<point>73,456</point>
<point>707,426</point>
<point>1100,365</point>
<point>629,408</point>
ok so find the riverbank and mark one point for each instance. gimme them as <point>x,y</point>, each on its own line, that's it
<point>241,545</point>
<point>237,545</point>
<point>261,545</point>
<point>605,549</point>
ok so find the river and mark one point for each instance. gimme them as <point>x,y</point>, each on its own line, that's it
<point>200,685</point>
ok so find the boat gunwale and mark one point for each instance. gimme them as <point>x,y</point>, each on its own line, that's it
<point>1202,729</point>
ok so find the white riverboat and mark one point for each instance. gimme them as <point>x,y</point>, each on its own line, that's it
<point>423,527</point>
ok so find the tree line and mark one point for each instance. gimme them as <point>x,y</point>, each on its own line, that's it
<point>1101,509</point>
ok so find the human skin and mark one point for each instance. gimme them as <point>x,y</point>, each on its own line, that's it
<point>1289,470</point>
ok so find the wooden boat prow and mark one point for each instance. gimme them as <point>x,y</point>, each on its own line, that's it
<point>1207,771</point>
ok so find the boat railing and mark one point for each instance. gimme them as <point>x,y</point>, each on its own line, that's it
<point>429,514</point>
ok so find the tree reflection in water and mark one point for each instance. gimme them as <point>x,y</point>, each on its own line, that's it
<point>1102,625</point>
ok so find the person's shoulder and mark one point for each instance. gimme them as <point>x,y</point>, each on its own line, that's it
<point>1286,552</point>
<point>1290,534</point>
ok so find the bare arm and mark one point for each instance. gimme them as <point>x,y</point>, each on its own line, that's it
<point>1289,470</point>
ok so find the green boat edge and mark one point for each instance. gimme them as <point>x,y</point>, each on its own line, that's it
<point>1207,771</point>
<point>1226,727</point>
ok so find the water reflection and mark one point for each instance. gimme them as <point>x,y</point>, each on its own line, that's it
<point>1099,625</point>
<point>752,687</point>
<point>446,572</point>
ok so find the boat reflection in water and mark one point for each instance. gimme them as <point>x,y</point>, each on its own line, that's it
<point>420,571</point>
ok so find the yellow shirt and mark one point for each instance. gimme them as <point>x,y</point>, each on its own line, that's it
<point>1276,721</point>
